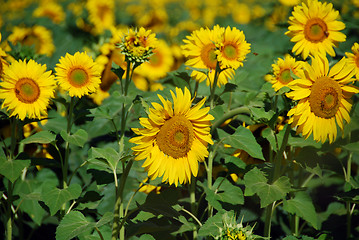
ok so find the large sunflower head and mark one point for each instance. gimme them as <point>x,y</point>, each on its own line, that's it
<point>174,138</point>
<point>200,50</point>
<point>283,70</point>
<point>232,48</point>
<point>26,89</point>
<point>101,14</point>
<point>315,29</point>
<point>353,59</point>
<point>324,98</point>
<point>38,36</point>
<point>78,74</point>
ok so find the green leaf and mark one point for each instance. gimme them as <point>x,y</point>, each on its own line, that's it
<point>109,154</point>
<point>43,137</point>
<point>79,138</point>
<point>259,114</point>
<point>302,206</point>
<point>30,195</point>
<point>227,192</point>
<point>73,224</point>
<point>212,226</point>
<point>146,237</point>
<point>12,168</point>
<point>352,147</point>
<point>256,183</point>
<point>243,139</point>
<point>54,198</point>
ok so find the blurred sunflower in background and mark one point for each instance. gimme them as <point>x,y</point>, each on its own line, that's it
<point>3,62</point>
<point>37,36</point>
<point>173,138</point>
<point>26,89</point>
<point>353,59</point>
<point>315,29</point>
<point>324,98</point>
<point>101,14</point>
<point>51,10</point>
<point>282,72</point>
<point>78,74</point>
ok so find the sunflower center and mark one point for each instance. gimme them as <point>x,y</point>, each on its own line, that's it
<point>27,90</point>
<point>208,56</point>
<point>155,59</point>
<point>230,52</point>
<point>1,66</point>
<point>78,77</point>
<point>325,97</point>
<point>175,137</point>
<point>32,40</point>
<point>315,30</point>
<point>285,76</point>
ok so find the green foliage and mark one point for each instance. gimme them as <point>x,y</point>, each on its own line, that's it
<point>257,183</point>
<point>12,168</point>
<point>75,223</point>
<point>79,138</point>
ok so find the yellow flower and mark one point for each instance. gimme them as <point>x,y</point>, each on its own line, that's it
<point>289,3</point>
<point>159,64</point>
<point>51,10</point>
<point>38,36</point>
<point>314,28</point>
<point>27,89</point>
<point>232,48</point>
<point>3,62</point>
<point>137,45</point>
<point>173,139</point>
<point>200,49</point>
<point>101,14</point>
<point>78,74</point>
<point>283,70</point>
<point>353,59</point>
<point>324,98</point>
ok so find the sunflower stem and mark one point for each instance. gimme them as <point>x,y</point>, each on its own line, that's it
<point>214,85</point>
<point>228,115</point>
<point>275,175</point>
<point>117,228</point>
<point>193,203</point>
<point>67,147</point>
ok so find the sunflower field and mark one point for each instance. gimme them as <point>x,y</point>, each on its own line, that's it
<point>179,119</point>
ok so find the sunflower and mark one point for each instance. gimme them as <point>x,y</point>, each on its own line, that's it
<point>200,49</point>
<point>38,36</point>
<point>314,28</point>
<point>51,10</point>
<point>324,98</point>
<point>101,14</point>
<point>138,45</point>
<point>289,3</point>
<point>3,62</point>
<point>282,72</point>
<point>159,64</point>
<point>26,89</point>
<point>78,74</point>
<point>173,140</point>
<point>353,59</point>
<point>232,48</point>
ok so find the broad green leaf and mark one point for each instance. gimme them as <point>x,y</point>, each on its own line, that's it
<point>227,192</point>
<point>302,206</point>
<point>211,226</point>
<point>146,237</point>
<point>79,138</point>
<point>30,195</point>
<point>73,224</point>
<point>159,204</point>
<point>12,168</point>
<point>256,183</point>
<point>43,137</point>
<point>243,139</point>
<point>54,198</point>
<point>260,114</point>
<point>109,154</point>
<point>352,147</point>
